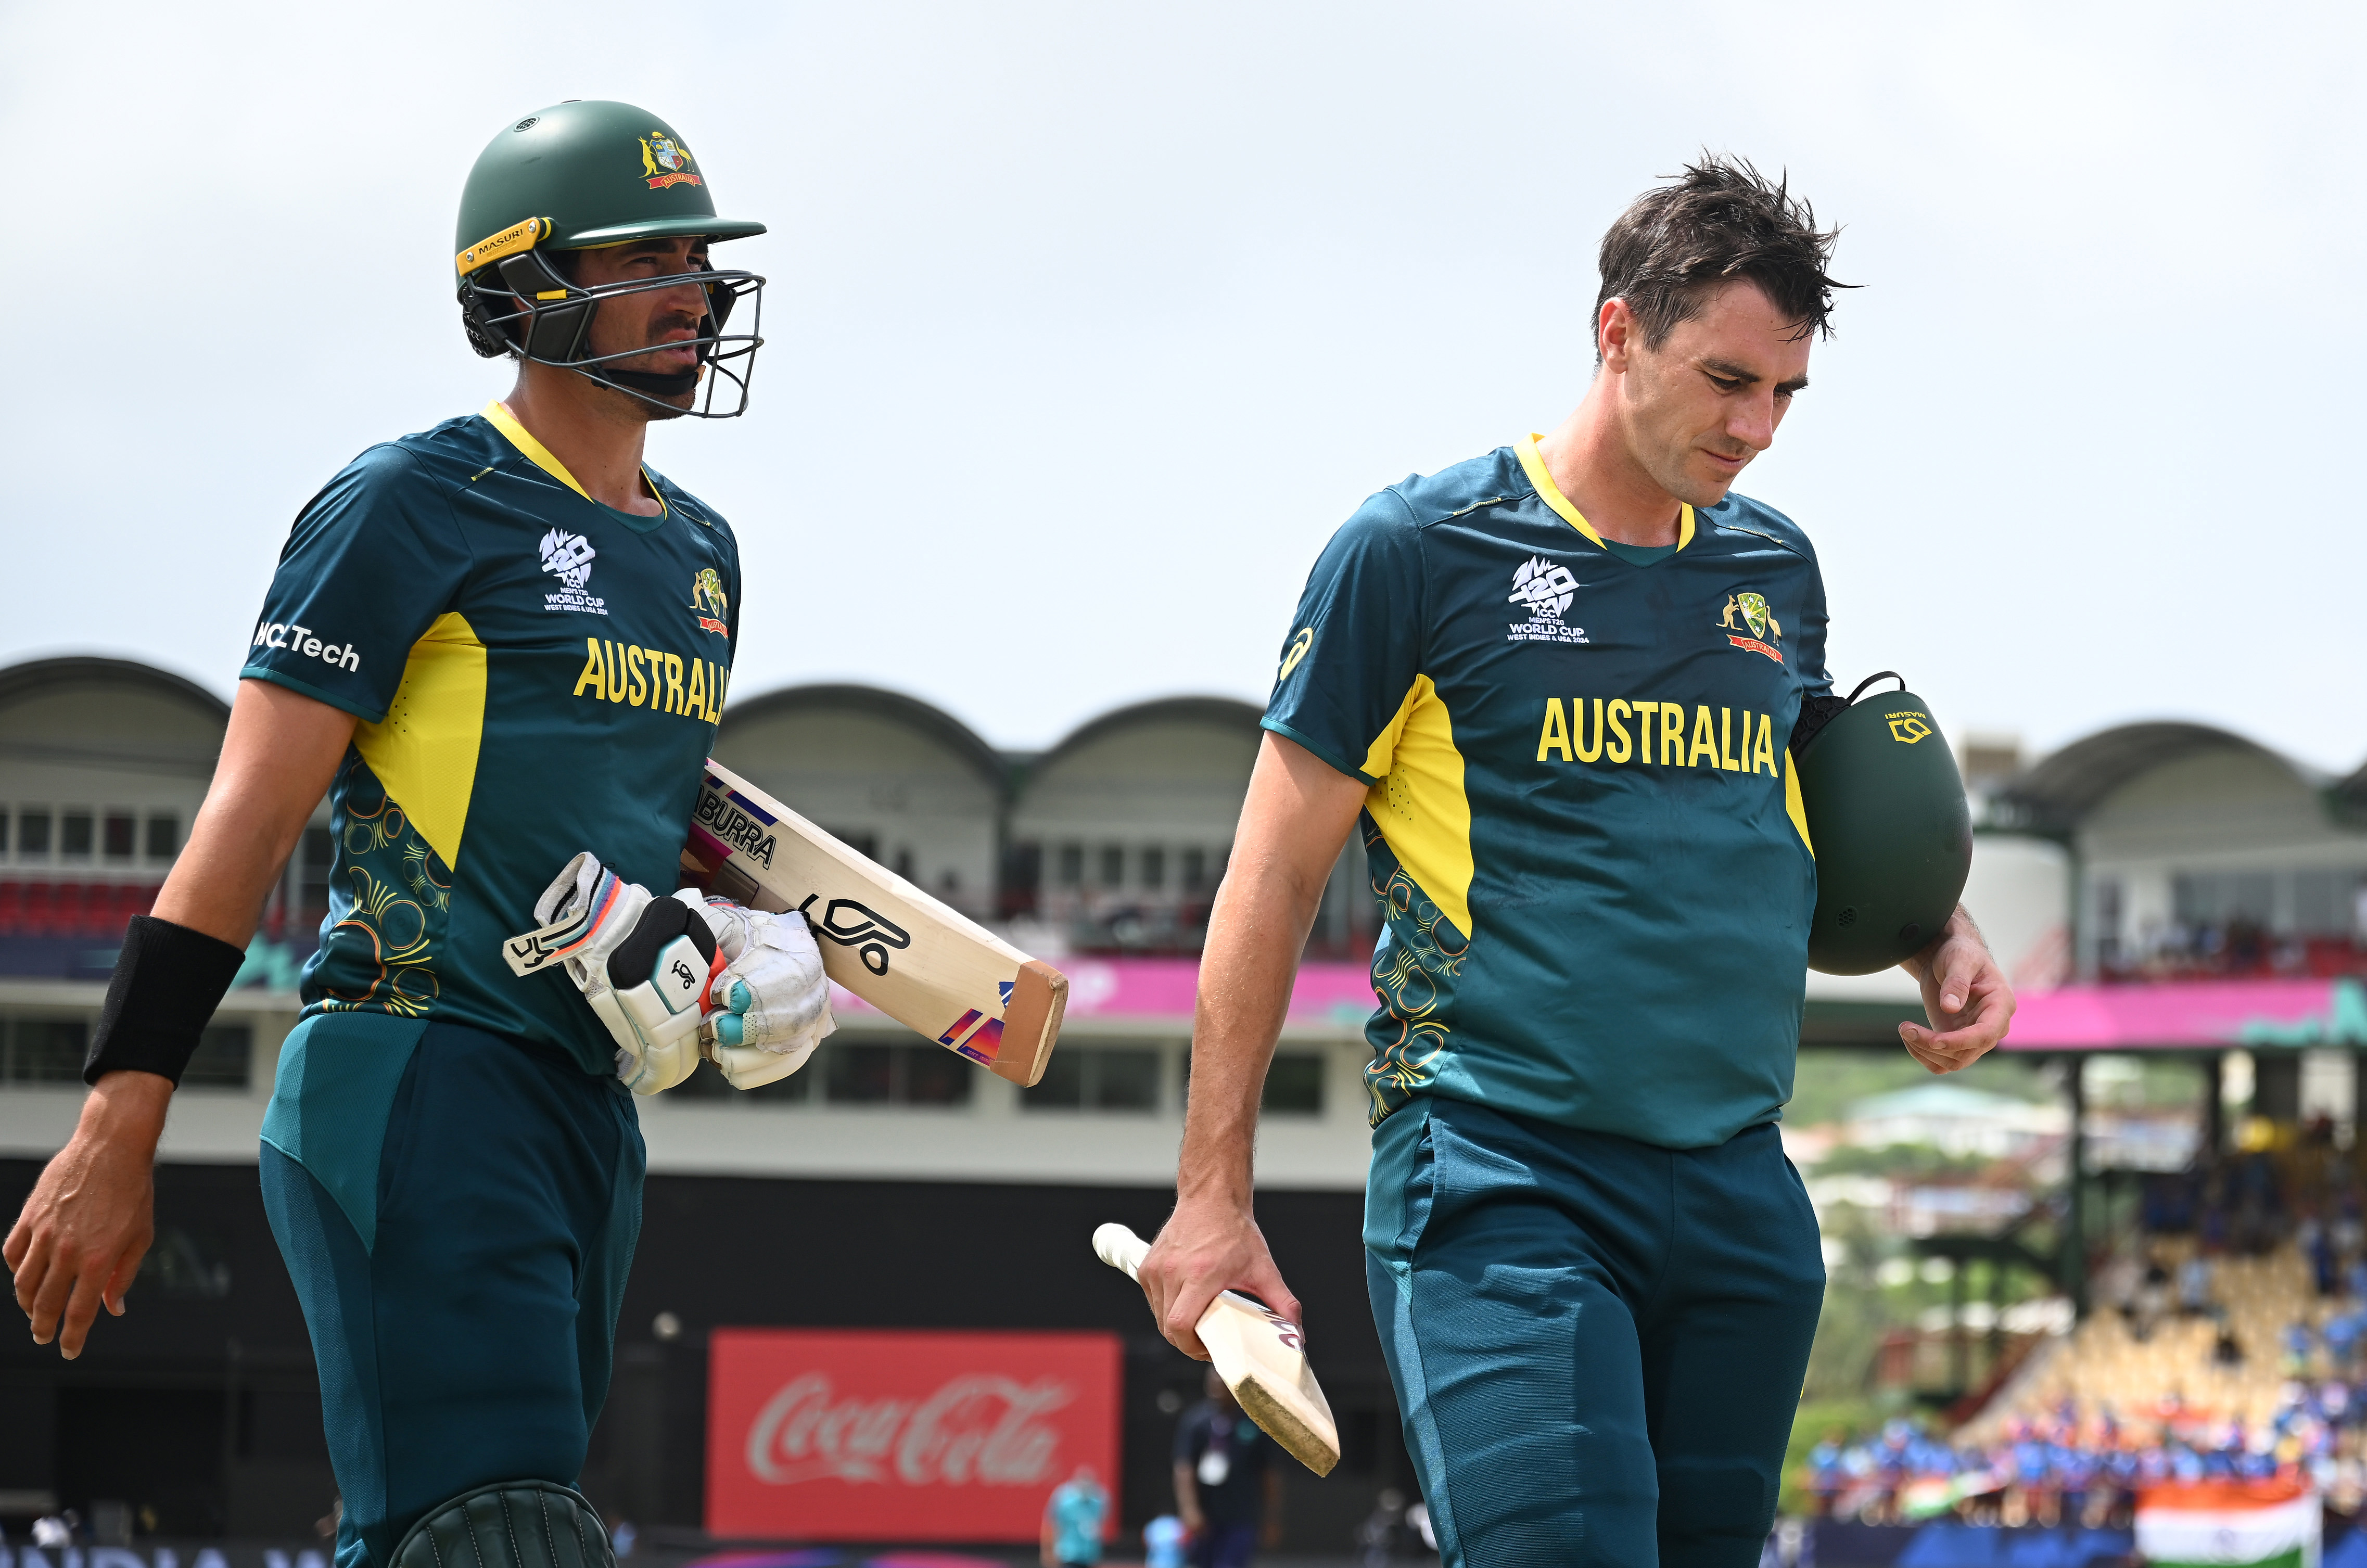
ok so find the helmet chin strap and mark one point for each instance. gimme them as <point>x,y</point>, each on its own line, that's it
<point>649,382</point>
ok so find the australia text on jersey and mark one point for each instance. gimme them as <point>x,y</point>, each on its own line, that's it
<point>649,677</point>
<point>1659,736</point>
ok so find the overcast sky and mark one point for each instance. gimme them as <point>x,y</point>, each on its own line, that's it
<point>1089,322</point>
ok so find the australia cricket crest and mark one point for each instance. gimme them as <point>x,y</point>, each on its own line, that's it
<point>665,162</point>
<point>1754,615</point>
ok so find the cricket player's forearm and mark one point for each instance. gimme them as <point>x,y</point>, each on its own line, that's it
<point>1255,934</point>
<point>1294,819</point>
<point>278,755</point>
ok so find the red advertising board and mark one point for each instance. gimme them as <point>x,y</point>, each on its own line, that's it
<point>895,1435</point>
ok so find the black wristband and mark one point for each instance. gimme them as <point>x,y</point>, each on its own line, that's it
<point>168,980</point>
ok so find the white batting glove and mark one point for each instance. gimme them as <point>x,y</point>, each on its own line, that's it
<point>770,1002</point>
<point>644,963</point>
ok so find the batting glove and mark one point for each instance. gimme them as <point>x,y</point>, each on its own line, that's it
<point>770,1000</point>
<point>644,963</point>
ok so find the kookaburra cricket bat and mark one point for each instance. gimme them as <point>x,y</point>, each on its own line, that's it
<point>1261,1357</point>
<point>927,966</point>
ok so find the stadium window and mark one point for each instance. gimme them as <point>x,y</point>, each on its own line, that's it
<point>119,835</point>
<point>1123,1081</point>
<point>164,836</point>
<point>865,844</point>
<point>1113,865</point>
<point>1193,867</point>
<point>1097,1078</point>
<point>794,1089</point>
<point>1062,1087</point>
<point>1293,1085</point>
<point>45,1050</point>
<point>1073,865</point>
<point>949,881</point>
<point>4,830</point>
<point>2318,903</point>
<point>1154,867</point>
<point>859,1075</point>
<point>33,833</point>
<point>934,1076</point>
<point>76,830</point>
<point>904,863</point>
<point>895,1075</point>
<point>224,1053</point>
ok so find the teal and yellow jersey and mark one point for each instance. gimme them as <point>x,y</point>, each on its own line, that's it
<point>535,674</point>
<point>1581,820</point>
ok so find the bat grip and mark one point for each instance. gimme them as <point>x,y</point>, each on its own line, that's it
<point>1120,1248</point>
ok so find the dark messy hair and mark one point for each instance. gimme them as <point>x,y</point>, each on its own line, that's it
<point>1719,220</point>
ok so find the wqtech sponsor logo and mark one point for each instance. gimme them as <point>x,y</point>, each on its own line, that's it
<point>569,557</point>
<point>303,640</point>
<point>707,600</point>
<point>1545,588</point>
<point>1757,619</point>
<point>665,162</point>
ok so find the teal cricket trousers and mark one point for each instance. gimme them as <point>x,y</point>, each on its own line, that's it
<point>471,1341</point>
<point>1597,1345</point>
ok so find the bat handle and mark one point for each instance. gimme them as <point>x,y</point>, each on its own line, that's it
<point>1120,1248</point>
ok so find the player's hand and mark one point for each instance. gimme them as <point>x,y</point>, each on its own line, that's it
<point>770,1006</point>
<point>1964,997</point>
<point>1205,1247</point>
<point>79,1241</point>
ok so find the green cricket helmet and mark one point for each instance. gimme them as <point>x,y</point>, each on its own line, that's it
<point>581,175</point>
<point>1887,822</point>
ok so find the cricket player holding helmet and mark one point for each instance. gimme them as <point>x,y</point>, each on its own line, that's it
<point>492,644</point>
<point>1555,684</point>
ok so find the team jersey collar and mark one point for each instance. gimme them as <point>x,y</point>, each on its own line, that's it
<point>498,415</point>
<point>1534,465</point>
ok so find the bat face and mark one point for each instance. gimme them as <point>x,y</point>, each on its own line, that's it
<point>924,964</point>
<point>1261,1357</point>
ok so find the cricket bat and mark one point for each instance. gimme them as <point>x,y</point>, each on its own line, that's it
<point>1261,1357</point>
<point>926,965</point>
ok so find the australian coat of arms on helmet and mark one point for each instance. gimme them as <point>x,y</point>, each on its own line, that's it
<point>665,162</point>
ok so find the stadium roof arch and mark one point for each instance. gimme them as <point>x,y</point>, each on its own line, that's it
<point>2059,793</point>
<point>877,702</point>
<point>46,675</point>
<point>1224,713</point>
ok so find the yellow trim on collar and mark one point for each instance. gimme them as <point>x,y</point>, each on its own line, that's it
<point>518,435</point>
<point>1533,464</point>
<point>536,452</point>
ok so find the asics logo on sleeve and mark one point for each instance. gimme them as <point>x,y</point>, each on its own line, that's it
<point>303,640</point>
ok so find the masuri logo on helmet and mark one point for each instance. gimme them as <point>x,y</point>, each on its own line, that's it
<point>583,176</point>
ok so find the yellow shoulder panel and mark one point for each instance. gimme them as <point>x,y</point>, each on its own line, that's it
<point>1420,805</point>
<point>424,750</point>
<point>1793,806</point>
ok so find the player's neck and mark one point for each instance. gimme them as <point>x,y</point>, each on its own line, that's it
<point>578,424</point>
<point>1589,458</point>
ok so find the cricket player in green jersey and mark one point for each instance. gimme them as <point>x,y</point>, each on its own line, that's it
<point>1554,686</point>
<point>497,644</point>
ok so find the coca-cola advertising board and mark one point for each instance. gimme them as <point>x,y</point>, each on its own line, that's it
<point>902,1435</point>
